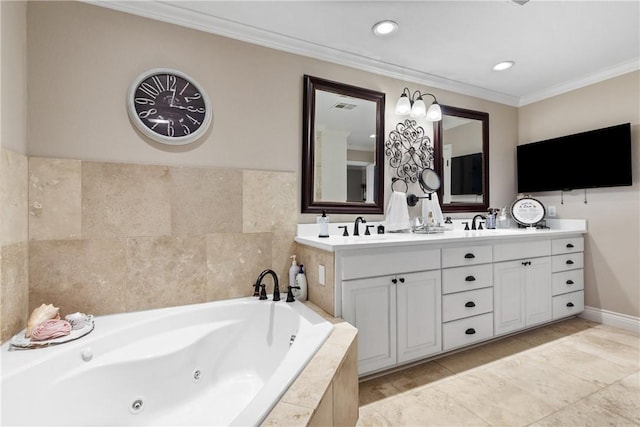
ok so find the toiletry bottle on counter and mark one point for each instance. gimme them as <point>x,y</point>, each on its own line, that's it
<point>293,271</point>
<point>301,280</point>
<point>491,219</point>
<point>323,224</point>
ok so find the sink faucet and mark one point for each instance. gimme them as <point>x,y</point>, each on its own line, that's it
<point>260,288</point>
<point>473,224</point>
<point>355,225</point>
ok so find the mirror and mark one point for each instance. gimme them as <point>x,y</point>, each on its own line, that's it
<point>342,149</point>
<point>461,142</point>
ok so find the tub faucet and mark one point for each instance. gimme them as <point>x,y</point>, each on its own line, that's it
<point>355,225</point>
<point>262,292</point>
<point>473,224</point>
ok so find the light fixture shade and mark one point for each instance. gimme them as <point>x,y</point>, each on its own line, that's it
<point>403,107</point>
<point>434,114</point>
<point>419,109</point>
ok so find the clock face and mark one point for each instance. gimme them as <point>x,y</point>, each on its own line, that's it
<point>169,107</point>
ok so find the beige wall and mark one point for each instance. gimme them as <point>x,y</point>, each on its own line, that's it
<point>612,252</point>
<point>14,285</point>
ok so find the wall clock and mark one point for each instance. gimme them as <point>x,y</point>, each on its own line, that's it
<point>168,106</point>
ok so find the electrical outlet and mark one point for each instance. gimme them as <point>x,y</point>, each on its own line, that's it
<point>321,273</point>
<point>551,210</point>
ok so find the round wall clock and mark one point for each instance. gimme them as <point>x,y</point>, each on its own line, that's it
<point>527,211</point>
<point>168,106</point>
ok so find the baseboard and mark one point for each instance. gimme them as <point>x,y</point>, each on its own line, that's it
<point>611,318</point>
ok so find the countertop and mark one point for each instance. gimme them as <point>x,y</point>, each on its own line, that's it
<point>335,242</point>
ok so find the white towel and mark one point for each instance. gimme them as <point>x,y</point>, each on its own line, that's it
<point>397,213</point>
<point>432,205</point>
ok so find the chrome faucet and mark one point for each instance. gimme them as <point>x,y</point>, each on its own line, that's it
<point>260,288</point>
<point>355,225</point>
<point>473,224</point>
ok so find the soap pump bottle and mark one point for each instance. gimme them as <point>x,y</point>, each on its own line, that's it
<point>323,223</point>
<point>301,281</point>
<point>293,271</point>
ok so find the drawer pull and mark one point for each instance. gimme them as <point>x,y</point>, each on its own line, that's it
<point>525,263</point>
<point>569,282</point>
<point>470,304</point>
<point>394,281</point>
<point>469,256</point>
<point>569,304</point>
<point>402,280</point>
<point>470,331</point>
<point>570,245</point>
<point>569,262</point>
<point>470,279</point>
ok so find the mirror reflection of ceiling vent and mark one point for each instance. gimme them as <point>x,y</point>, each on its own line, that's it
<point>344,106</point>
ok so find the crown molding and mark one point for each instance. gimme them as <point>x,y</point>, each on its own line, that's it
<point>602,75</point>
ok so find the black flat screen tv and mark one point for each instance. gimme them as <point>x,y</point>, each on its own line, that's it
<point>597,158</point>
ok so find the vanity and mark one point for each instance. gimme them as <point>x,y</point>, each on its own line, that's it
<point>415,296</point>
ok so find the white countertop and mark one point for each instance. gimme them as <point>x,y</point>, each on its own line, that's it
<point>307,235</point>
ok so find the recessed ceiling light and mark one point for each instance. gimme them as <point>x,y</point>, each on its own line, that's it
<point>504,65</point>
<point>384,28</point>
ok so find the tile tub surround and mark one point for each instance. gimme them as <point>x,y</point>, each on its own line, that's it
<point>326,391</point>
<point>112,237</point>
<point>574,372</point>
<point>14,270</point>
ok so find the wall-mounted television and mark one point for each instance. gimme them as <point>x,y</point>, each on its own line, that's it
<point>597,158</point>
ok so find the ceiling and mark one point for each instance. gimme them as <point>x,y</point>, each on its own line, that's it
<point>557,46</point>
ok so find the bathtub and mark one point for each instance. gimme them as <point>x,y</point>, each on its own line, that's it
<point>219,363</point>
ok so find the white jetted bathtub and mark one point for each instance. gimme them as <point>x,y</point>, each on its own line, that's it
<point>219,363</point>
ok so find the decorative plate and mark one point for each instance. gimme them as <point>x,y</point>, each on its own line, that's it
<point>20,342</point>
<point>528,211</point>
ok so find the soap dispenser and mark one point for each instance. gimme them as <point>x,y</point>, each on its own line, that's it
<point>293,271</point>
<point>323,224</point>
<point>301,281</point>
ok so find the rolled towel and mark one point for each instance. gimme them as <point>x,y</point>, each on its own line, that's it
<point>50,329</point>
<point>397,213</point>
<point>432,205</point>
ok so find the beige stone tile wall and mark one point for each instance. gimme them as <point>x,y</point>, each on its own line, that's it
<point>111,237</point>
<point>14,278</point>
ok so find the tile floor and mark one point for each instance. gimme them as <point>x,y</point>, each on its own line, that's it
<point>572,373</point>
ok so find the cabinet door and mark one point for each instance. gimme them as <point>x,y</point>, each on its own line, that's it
<point>538,306</point>
<point>508,298</point>
<point>419,315</point>
<point>370,305</point>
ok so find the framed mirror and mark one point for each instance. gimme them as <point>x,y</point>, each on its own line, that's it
<point>342,148</point>
<point>461,142</point>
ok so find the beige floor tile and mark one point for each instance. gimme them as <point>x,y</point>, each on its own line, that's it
<point>621,398</point>
<point>543,380</point>
<point>466,360</point>
<point>497,400</point>
<point>541,336</point>
<point>507,347</point>
<point>606,348</point>
<point>566,357</point>
<point>614,334</point>
<point>425,407</point>
<point>583,414</point>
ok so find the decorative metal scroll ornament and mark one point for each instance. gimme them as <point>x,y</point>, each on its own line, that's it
<point>410,151</point>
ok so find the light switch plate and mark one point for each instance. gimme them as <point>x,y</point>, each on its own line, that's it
<point>321,272</point>
<point>551,210</point>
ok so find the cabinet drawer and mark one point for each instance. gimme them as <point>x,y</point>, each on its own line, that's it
<point>376,262</point>
<point>468,255</point>
<point>566,262</point>
<point>565,246</point>
<point>568,304</point>
<point>467,331</point>
<point>467,304</point>
<point>521,250</point>
<point>568,281</point>
<point>466,278</point>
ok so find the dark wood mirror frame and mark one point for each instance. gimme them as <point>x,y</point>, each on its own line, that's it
<point>309,205</point>
<point>438,141</point>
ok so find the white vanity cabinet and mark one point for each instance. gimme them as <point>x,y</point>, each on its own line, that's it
<point>522,285</point>
<point>467,295</point>
<point>568,276</point>
<point>398,312</point>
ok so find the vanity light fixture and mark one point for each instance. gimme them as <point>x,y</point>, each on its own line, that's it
<point>414,105</point>
<point>502,66</point>
<point>384,28</point>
